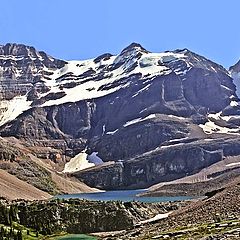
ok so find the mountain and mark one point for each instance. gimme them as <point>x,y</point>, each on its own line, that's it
<point>235,73</point>
<point>125,121</point>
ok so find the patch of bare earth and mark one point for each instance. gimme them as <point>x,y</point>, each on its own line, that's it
<point>64,184</point>
<point>71,185</point>
<point>13,188</point>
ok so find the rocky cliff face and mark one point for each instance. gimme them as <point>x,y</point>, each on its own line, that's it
<point>163,164</point>
<point>123,107</point>
<point>22,68</point>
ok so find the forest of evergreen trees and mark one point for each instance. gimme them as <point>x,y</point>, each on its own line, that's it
<point>8,215</point>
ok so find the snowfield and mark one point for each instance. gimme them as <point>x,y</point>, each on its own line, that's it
<point>93,78</point>
<point>82,161</point>
<point>10,109</point>
<point>88,88</point>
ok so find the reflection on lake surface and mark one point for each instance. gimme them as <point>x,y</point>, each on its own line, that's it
<point>122,195</point>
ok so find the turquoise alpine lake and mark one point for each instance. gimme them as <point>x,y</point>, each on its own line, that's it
<point>122,195</point>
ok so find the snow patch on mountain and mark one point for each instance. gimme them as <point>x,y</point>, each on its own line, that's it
<point>79,162</point>
<point>156,218</point>
<point>10,109</point>
<point>82,161</point>
<point>211,127</point>
<point>173,116</point>
<point>137,120</point>
<point>142,90</point>
<point>112,132</point>
<point>234,103</point>
<point>230,117</point>
<point>214,119</point>
<point>87,90</point>
<point>11,57</point>
<point>76,67</point>
<point>233,164</point>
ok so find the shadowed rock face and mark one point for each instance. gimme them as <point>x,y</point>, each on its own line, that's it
<point>162,164</point>
<point>153,167</point>
<point>148,109</point>
<point>235,73</point>
<point>236,67</point>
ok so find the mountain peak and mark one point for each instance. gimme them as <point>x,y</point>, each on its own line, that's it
<point>235,67</point>
<point>130,53</point>
<point>15,49</point>
<point>134,46</point>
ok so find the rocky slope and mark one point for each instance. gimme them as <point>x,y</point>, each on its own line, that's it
<point>217,217</point>
<point>13,188</point>
<point>150,117</point>
<point>25,174</point>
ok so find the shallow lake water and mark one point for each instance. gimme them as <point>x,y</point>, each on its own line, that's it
<point>122,195</point>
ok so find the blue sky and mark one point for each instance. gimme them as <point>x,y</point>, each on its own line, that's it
<point>82,29</point>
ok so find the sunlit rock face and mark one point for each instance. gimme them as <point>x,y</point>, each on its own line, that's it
<point>23,67</point>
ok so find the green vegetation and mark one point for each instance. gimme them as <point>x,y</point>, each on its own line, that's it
<point>56,217</point>
<point>19,232</point>
<point>10,227</point>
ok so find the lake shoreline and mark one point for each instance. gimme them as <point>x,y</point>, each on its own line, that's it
<point>124,196</point>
